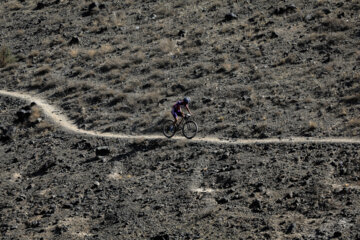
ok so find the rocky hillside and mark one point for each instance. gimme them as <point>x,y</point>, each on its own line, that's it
<point>63,186</point>
<point>253,68</point>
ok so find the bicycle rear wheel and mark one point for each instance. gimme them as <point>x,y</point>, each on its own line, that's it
<point>190,129</point>
<point>169,129</point>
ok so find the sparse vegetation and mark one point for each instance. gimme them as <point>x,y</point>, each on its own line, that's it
<point>253,69</point>
<point>6,57</point>
<point>42,70</point>
<point>293,57</point>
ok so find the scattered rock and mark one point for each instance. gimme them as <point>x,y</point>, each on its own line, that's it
<point>181,33</point>
<point>7,133</point>
<point>40,6</point>
<point>207,100</point>
<point>82,145</point>
<point>290,229</point>
<point>60,230</point>
<point>255,206</point>
<point>222,200</point>
<point>229,17</point>
<point>284,10</point>
<point>161,236</point>
<point>93,8</point>
<point>337,234</point>
<point>102,151</point>
<point>44,169</point>
<point>74,40</point>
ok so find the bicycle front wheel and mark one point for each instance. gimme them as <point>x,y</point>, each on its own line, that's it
<point>169,129</point>
<point>190,129</point>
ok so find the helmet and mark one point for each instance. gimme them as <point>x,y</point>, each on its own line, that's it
<point>186,99</point>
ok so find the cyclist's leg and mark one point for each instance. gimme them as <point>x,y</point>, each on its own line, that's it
<point>175,115</point>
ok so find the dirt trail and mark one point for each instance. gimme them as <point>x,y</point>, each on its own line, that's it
<point>55,115</point>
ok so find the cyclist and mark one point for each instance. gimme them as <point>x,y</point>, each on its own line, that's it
<point>176,109</point>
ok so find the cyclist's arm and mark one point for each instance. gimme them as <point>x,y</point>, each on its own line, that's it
<point>187,108</point>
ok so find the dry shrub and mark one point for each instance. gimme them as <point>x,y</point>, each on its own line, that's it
<point>115,63</point>
<point>157,74</point>
<point>13,6</point>
<point>104,49</point>
<point>42,70</point>
<point>74,52</point>
<point>167,45</point>
<point>312,125</point>
<point>353,99</point>
<point>334,24</point>
<point>355,122</point>
<point>10,67</point>
<point>51,42</point>
<point>138,57</point>
<point>89,74</point>
<point>163,63</point>
<point>343,112</point>
<point>89,54</point>
<point>34,53</point>
<point>6,57</point>
<point>227,67</point>
<point>228,28</point>
<point>49,84</point>
<point>149,98</point>
<point>319,3</point>
<point>77,71</point>
<point>122,116</point>
<point>218,48</point>
<point>192,51</point>
<point>19,32</point>
<point>315,36</point>
<point>118,98</point>
<point>36,83</point>
<point>292,58</point>
<point>164,10</point>
<point>117,18</point>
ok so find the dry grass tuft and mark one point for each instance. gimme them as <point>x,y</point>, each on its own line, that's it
<point>138,57</point>
<point>42,70</point>
<point>74,52</point>
<point>89,54</point>
<point>355,122</point>
<point>104,49</point>
<point>33,54</point>
<point>353,99</point>
<point>13,6</point>
<point>334,24</point>
<point>312,125</point>
<point>167,46</point>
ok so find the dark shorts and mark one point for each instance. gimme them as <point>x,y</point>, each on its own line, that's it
<point>176,113</point>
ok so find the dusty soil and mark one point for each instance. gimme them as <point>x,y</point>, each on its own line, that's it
<point>284,70</point>
<point>55,187</point>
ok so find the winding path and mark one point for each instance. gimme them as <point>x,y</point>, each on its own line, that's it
<point>55,115</point>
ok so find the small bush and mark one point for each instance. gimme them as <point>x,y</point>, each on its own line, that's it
<point>312,125</point>
<point>42,70</point>
<point>6,57</point>
<point>334,24</point>
<point>354,122</point>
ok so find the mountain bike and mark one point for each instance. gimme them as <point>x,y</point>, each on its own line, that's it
<point>188,126</point>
